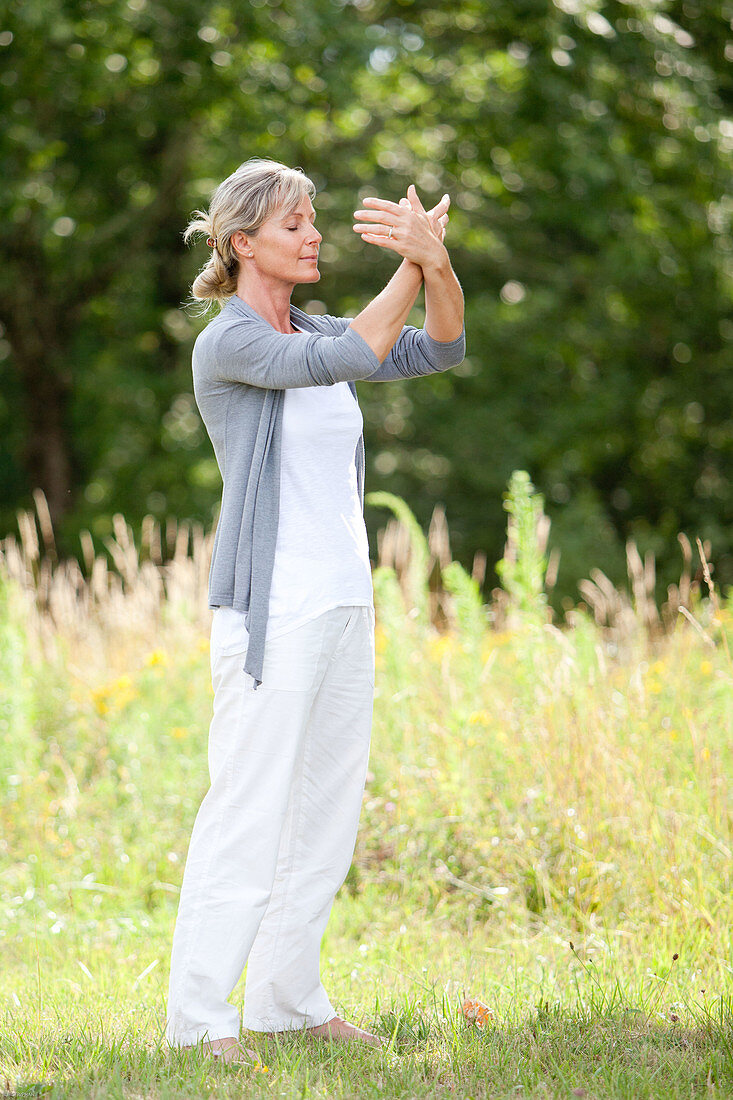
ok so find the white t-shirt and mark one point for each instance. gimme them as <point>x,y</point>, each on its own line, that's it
<point>322,551</point>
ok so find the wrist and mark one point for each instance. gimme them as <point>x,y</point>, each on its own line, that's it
<point>412,268</point>
<point>411,274</point>
<point>438,265</point>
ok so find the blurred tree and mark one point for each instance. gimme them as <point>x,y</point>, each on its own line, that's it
<point>588,150</point>
<point>587,147</point>
<point>112,110</point>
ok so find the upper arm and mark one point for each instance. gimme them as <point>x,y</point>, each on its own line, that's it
<point>257,355</point>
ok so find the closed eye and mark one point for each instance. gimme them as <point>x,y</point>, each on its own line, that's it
<point>293,228</point>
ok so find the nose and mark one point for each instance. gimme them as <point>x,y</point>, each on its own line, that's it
<point>315,236</point>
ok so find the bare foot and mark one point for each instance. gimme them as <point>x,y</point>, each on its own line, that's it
<point>338,1029</point>
<point>229,1050</point>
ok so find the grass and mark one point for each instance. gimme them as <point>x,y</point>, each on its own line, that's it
<point>546,828</point>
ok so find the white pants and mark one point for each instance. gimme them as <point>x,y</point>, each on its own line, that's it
<point>275,833</point>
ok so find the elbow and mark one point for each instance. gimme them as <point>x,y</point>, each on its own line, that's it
<point>445,354</point>
<point>455,352</point>
<point>327,369</point>
<point>345,368</point>
<point>327,360</point>
<point>459,353</point>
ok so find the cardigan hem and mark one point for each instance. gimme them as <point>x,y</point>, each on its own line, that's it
<point>227,601</point>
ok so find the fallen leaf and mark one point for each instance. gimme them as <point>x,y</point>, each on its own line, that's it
<point>477,1012</point>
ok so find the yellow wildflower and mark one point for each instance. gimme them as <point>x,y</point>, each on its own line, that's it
<point>442,644</point>
<point>99,700</point>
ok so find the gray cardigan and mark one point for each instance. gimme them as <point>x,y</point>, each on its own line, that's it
<point>241,367</point>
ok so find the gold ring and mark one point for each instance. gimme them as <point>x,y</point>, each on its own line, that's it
<point>389,235</point>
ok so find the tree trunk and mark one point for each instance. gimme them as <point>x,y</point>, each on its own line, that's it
<point>48,458</point>
<point>38,335</point>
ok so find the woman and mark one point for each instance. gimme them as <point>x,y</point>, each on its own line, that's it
<point>292,642</point>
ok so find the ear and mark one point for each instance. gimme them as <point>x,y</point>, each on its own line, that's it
<point>240,244</point>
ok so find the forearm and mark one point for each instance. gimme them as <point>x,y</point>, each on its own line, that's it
<point>381,322</point>
<point>443,301</point>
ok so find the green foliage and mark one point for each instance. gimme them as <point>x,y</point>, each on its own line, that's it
<point>588,156</point>
<point>389,598</point>
<point>468,607</point>
<point>416,575</point>
<point>522,569</point>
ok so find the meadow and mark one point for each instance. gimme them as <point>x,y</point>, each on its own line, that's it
<point>546,827</point>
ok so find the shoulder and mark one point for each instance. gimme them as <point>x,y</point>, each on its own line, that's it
<point>231,323</point>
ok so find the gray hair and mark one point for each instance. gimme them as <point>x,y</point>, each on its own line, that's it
<point>244,201</point>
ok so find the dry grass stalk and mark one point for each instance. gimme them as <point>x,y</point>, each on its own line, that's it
<point>126,590</point>
<point>98,605</point>
<point>703,550</point>
<point>623,616</point>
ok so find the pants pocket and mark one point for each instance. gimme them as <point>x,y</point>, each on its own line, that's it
<point>291,660</point>
<point>356,649</point>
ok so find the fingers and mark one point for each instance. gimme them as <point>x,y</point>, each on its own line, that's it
<point>380,218</point>
<point>438,217</point>
<point>440,208</point>
<point>373,231</point>
<point>384,217</point>
<point>378,230</point>
<point>381,239</point>
<point>387,213</point>
<point>414,200</point>
<point>384,229</point>
<point>380,204</point>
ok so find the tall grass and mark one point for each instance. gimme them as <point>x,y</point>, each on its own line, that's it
<point>546,824</point>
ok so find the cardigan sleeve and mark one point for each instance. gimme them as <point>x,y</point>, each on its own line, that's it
<point>414,353</point>
<point>242,350</point>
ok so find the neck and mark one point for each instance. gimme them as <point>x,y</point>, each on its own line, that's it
<point>270,298</point>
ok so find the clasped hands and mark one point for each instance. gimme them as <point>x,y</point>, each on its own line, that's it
<point>416,233</point>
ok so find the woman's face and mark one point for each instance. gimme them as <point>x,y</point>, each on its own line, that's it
<point>285,248</point>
